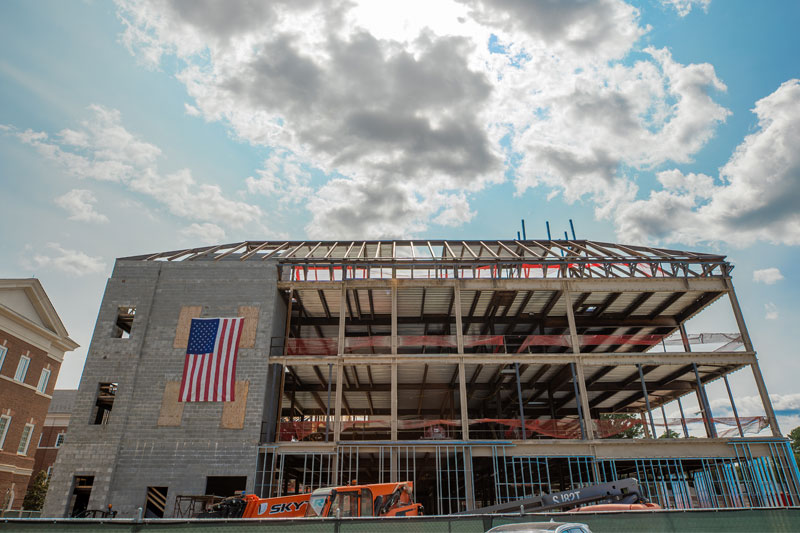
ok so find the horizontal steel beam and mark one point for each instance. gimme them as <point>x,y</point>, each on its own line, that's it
<point>599,359</point>
<point>576,284</point>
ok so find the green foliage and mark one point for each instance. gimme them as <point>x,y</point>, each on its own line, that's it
<point>794,436</point>
<point>669,434</point>
<point>34,498</point>
<point>634,432</point>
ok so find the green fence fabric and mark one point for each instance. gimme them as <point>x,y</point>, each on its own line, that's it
<point>745,520</point>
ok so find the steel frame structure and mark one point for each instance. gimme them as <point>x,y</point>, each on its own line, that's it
<point>385,340</point>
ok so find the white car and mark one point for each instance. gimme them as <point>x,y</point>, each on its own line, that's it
<point>542,527</point>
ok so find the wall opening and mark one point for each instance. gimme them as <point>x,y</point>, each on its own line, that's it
<point>106,392</point>
<point>124,322</point>
<point>225,485</point>
<point>81,490</point>
<point>156,502</point>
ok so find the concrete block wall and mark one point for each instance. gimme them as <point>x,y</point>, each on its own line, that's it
<point>132,452</point>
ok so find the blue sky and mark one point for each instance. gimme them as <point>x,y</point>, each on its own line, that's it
<point>128,128</point>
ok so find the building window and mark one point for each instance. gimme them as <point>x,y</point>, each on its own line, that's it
<point>106,392</point>
<point>27,433</point>
<point>49,472</point>
<point>59,440</point>
<point>124,322</point>
<point>22,368</point>
<point>5,421</point>
<point>43,380</point>
<point>3,351</point>
<point>156,502</point>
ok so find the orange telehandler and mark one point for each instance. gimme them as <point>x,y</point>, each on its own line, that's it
<point>380,499</point>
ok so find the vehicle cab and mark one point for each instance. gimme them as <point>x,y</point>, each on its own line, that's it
<point>340,501</point>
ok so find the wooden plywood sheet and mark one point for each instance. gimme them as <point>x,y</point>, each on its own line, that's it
<point>171,409</point>
<point>233,412</point>
<point>250,314</point>
<point>188,312</point>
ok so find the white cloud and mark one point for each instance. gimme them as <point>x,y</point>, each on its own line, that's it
<point>72,262</point>
<point>206,233</point>
<point>768,276</point>
<point>756,196</point>
<point>771,311</point>
<point>405,113</point>
<point>684,7</point>
<point>102,149</point>
<point>80,204</point>
<point>752,406</point>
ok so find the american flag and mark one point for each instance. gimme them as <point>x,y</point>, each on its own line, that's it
<point>209,372</point>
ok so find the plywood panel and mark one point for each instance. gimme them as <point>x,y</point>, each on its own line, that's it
<point>188,312</point>
<point>250,314</point>
<point>233,412</point>
<point>171,409</point>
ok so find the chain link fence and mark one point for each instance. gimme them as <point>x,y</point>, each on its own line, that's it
<point>777,520</point>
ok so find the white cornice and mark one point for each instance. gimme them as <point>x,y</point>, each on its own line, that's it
<point>25,330</point>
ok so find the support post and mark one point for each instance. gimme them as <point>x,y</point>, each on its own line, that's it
<point>647,401</point>
<point>328,406</point>
<point>664,416</point>
<point>733,405</point>
<point>393,416</point>
<point>708,417</point>
<point>393,422</point>
<point>288,323</point>
<point>583,406</point>
<point>462,380</point>
<point>339,391</point>
<point>646,427</point>
<point>578,401</point>
<point>748,345</point>
<point>337,416</point>
<point>519,400</point>
<point>683,420</point>
<point>702,398</point>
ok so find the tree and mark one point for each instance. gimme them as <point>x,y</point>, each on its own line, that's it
<point>794,436</point>
<point>669,434</point>
<point>34,498</point>
<point>636,431</point>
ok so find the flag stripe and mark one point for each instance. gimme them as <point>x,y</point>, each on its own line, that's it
<point>209,368</point>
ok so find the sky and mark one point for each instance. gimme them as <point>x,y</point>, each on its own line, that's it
<point>133,127</point>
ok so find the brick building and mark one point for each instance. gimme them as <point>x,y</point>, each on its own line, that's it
<point>54,430</point>
<point>32,345</point>
<point>483,371</point>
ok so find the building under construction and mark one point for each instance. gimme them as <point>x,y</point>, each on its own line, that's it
<point>484,371</point>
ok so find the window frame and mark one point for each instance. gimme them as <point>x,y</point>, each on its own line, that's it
<point>4,433</point>
<point>60,437</point>
<point>26,439</point>
<point>39,387</point>
<point>3,352</point>
<point>27,361</point>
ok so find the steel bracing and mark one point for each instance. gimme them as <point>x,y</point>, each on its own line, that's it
<point>492,369</point>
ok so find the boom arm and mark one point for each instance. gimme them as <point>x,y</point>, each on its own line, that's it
<point>625,491</point>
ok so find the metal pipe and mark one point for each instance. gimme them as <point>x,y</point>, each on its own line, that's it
<point>328,407</point>
<point>572,227</point>
<point>647,401</point>
<point>683,420</point>
<point>701,391</point>
<point>578,400</point>
<point>519,399</point>
<point>664,416</point>
<point>733,405</point>
<point>547,223</point>
<point>524,236</point>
